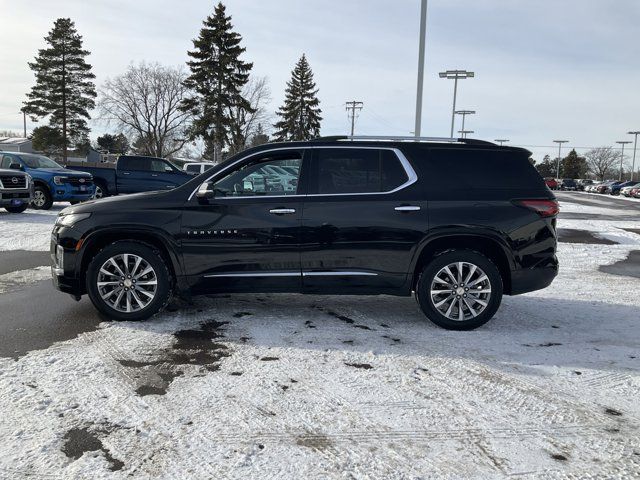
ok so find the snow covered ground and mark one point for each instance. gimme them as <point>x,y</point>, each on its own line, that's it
<point>297,387</point>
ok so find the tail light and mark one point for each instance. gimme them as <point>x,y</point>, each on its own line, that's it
<point>544,208</point>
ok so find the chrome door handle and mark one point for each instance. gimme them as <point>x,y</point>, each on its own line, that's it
<point>126,173</point>
<point>282,211</point>
<point>154,174</point>
<point>407,208</point>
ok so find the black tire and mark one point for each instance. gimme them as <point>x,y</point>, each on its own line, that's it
<point>423,289</point>
<point>42,199</point>
<point>19,209</point>
<point>101,191</point>
<point>153,258</point>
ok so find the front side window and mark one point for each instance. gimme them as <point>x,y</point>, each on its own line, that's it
<point>159,166</point>
<point>262,177</point>
<point>352,170</point>
<point>6,161</point>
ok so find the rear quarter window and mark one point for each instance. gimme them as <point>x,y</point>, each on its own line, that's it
<point>461,168</point>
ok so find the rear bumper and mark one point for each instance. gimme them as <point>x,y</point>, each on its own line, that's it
<point>529,280</point>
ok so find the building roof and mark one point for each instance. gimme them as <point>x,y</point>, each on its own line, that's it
<point>13,140</point>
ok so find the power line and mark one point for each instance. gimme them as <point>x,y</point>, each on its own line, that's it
<point>353,106</point>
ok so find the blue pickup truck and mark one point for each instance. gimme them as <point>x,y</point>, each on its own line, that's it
<point>51,182</point>
<point>133,174</point>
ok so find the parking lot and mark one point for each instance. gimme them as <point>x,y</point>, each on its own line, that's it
<point>341,387</point>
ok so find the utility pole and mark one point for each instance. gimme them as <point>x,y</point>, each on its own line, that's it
<point>24,123</point>
<point>559,142</point>
<point>421,55</point>
<point>353,106</point>
<point>464,113</point>
<point>501,141</point>
<point>455,75</point>
<point>623,143</point>
<point>635,147</point>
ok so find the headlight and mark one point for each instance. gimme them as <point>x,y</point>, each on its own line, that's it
<point>59,180</point>
<point>71,219</point>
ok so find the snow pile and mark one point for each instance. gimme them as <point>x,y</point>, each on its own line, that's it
<point>30,230</point>
<point>9,281</point>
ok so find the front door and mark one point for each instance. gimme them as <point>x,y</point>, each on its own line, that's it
<point>247,237</point>
<point>364,217</point>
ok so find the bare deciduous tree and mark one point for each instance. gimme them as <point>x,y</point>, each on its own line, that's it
<point>245,122</point>
<point>602,161</point>
<point>144,102</point>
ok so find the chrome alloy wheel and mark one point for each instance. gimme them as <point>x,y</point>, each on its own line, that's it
<point>39,199</point>
<point>127,283</point>
<point>460,291</point>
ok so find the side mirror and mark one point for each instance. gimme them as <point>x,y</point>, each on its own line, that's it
<point>247,186</point>
<point>168,170</point>
<point>205,191</point>
<point>15,166</point>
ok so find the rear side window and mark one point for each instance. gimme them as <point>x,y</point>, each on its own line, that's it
<point>352,170</point>
<point>193,168</point>
<point>135,163</point>
<point>482,169</point>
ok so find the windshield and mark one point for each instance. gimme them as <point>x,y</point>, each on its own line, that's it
<point>39,161</point>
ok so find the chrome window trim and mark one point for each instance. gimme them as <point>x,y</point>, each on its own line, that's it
<point>339,273</point>
<point>292,274</point>
<point>412,177</point>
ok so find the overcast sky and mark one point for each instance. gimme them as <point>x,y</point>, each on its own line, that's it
<point>544,69</point>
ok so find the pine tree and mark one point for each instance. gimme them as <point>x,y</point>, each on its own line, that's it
<point>573,166</point>
<point>217,77</point>
<point>64,90</point>
<point>259,138</point>
<point>300,115</point>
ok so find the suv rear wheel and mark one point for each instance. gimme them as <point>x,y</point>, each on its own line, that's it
<point>128,281</point>
<point>460,290</point>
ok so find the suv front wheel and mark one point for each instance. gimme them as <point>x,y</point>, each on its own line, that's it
<point>128,281</point>
<point>460,290</point>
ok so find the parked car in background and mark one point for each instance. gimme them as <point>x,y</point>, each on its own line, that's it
<point>635,192</point>
<point>370,218</point>
<point>568,184</point>
<point>196,168</point>
<point>135,174</point>
<point>16,189</point>
<point>615,189</point>
<point>51,181</point>
<point>551,182</point>
<point>583,183</point>
<point>608,187</point>
<point>626,191</point>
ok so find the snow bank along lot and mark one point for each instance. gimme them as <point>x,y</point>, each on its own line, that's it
<point>289,386</point>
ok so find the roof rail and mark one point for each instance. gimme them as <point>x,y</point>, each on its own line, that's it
<point>469,141</point>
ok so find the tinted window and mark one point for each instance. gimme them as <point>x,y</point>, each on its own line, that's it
<point>193,168</point>
<point>352,170</point>
<point>460,168</point>
<point>135,163</point>
<point>262,177</point>
<point>38,161</point>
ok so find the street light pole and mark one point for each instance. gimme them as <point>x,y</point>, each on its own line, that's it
<point>559,142</point>
<point>455,75</point>
<point>501,140</point>
<point>421,59</point>
<point>635,147</point>
<point>623,143</point>
<point>464,132</point>
<point>464,113</point>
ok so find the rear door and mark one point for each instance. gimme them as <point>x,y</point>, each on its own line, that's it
<point>134,175</point>
<point>364,216</point>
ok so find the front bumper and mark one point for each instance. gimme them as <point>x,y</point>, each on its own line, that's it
<point>14,198</point>
<point>63,261</point>
<point>67,192</point>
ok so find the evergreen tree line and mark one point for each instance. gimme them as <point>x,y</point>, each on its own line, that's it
<point>163,111</point>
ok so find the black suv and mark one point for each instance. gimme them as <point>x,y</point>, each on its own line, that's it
<point>458,222</point>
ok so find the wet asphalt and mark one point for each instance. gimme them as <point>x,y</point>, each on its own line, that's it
<point>36,316</point>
